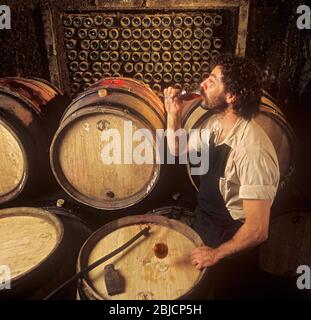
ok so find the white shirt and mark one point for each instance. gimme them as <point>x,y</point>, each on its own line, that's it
<point>252,170</point>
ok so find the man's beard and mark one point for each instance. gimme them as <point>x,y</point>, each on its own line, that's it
<point>217,105</point>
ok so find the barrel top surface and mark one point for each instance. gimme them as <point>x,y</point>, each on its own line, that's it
<point>27,237</point>
<point>146,275</point>
<point>12,162</point>
<point>98,170</point>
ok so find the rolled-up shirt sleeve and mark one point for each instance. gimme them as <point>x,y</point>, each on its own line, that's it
<point>258,172</point>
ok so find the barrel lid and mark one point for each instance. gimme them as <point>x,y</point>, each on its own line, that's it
<point>27,237</point>
<point>13,162</point>
<point>93,158</point>
<point>149,271</point>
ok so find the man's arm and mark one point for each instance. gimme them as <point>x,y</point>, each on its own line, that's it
<point>173,124</point>
<point>252,232</point>
<point>174,109</point>
<point>177,137</point>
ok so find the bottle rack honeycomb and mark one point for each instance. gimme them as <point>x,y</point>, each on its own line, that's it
<point>158,49</point>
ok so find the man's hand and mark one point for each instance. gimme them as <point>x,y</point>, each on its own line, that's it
<point>253,232</point>
<point>203,257</point>
<point>174,109</point>
<point>173,106</point>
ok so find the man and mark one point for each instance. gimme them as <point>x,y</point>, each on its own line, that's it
<point>235,195</point>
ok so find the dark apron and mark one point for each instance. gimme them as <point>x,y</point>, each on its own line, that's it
<point>233,277</point>
<point>213,221</point>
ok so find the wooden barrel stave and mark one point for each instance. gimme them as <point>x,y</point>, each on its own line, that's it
<point>288,245</point>
<point>128,87</point>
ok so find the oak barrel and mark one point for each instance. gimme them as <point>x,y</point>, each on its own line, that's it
<point>270,118</point>
<point>177,212</point>
<point>78,148</point>
<point>288,245</point>
<point>147,275</point>
<point>40,247</point>
<point>28,112</point>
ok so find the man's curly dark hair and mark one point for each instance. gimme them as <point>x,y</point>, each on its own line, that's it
<point>241,78</point>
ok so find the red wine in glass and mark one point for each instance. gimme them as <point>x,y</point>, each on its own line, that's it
<point>194,92</point>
